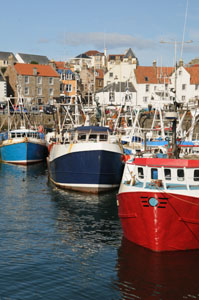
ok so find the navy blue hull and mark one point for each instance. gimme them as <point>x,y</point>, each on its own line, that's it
<point>87,167</point>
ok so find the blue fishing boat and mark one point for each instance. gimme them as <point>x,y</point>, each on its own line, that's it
<point>23,146</point>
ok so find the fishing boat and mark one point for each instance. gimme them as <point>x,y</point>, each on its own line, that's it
<point>159,203</point>
<point>23,146</point>
<point>86,158</point>
<point>22,143</point>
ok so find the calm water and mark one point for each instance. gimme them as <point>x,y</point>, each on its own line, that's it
<point>61,245</point>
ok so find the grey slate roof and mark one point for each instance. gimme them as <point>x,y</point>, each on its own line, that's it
<point>5,55</point>
<point>128,53</point>
<point>40,59</point>
<point>83,55</point>
<point>118,87</point>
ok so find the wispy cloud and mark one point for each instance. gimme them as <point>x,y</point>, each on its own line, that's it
<point>110,40</point>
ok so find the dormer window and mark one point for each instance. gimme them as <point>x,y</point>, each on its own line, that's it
<point>146,78</point>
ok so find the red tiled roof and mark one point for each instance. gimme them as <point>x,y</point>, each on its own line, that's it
<point>146,75</point>
<point>42,70</point>
<point>152,74</point>
<point>60,64</point>
<point>91,52</point>
<point>194,74</point>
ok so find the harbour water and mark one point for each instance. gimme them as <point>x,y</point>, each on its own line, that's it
<point>56,244</point>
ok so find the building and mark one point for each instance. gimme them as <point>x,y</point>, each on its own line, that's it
<point>3,88</point>
<point>4,58</point>
<point>68,81</point>
<point>117,94</point>
<point>36,83</point>
<point>120,67</point>
<point>32,59</point>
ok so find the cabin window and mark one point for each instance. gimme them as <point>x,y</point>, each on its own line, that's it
<point>103,137</point>
<point>154,173</point>
<point>167,174</point>
<point>196,175</point>
<point>180,174</point>
<point>82,137</point>
<point>93,137</point>
<point>140,173</point>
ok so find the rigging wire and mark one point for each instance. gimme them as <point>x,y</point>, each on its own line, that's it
<point>184,29</point>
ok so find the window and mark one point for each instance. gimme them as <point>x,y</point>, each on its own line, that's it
<point>26,90</point>
<point>69,76</point>
<point>147,87</point>
<point>167,174</point>
<point>196,175</point>
<point>68,87</point>
<point>110,74</point>
<point>180,73</point>
<point>197,87</point>
<point>180,174</point>
<point>111,96</point>
<point>183,86</point>
<point>26,79</point>
<point>51,92</point>
<point>183,98</point>
<point>39,80</point>
<point>82,137</point>
<point>50,80</point>
<point>103,137</point>
<point>140,173</point>
<point>154,173</point>
<point>145,99</point>
<point>93,137</point>
<point>146,78</point>
<point>39,91</point>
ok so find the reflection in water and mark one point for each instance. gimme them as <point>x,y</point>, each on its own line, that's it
<point>143,274</point>
<point>86,217</point>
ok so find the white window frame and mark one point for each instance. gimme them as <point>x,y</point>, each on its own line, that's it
<point>26,79</point>
<point>68,87</point>
<point>51,92</point>
<point>39,91</point>
<point>39,80</point>
<point>26,90</point>
<point>51,80</point>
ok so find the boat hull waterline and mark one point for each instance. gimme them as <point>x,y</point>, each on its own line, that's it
<point>23,153</point>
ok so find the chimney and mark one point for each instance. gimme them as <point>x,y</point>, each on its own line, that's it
<point>35,71</point>
<point>181,63</point>
<point>154,64</point>
<point>11,60</point>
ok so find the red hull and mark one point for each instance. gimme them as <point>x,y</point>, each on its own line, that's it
<point>171,225</point>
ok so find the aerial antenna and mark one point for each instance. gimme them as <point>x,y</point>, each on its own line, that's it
<point>185,21</point>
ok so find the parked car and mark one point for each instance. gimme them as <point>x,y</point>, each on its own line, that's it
<point>35,110</point>
<point>49,109</point>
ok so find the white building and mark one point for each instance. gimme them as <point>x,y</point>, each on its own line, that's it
<point>120,67</point>
<point>3,89</point>
<point>117,94</point>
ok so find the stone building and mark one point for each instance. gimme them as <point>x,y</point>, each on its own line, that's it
<point>36,83</point>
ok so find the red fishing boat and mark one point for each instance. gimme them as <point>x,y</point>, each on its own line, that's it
<point>159,203</point>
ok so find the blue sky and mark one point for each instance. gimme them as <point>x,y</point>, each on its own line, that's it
<point>63,29</point>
